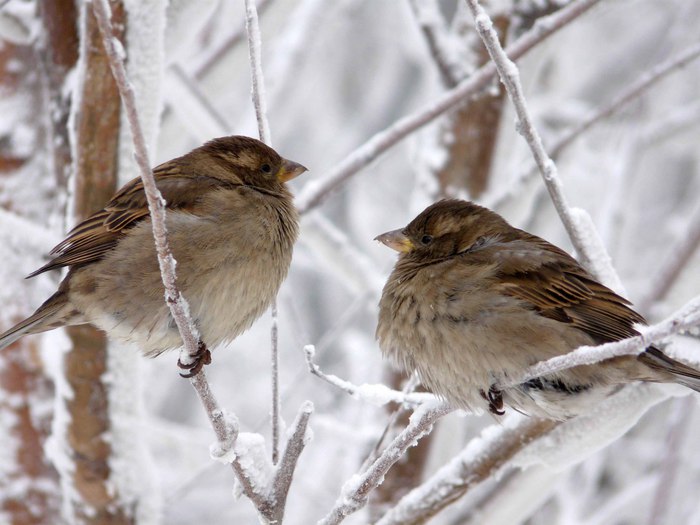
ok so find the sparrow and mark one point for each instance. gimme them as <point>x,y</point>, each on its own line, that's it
<point>231,226</point>
<point>472,302</point>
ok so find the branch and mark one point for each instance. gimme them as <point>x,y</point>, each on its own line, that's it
<point>355,492</point>
<point>260,104</point>
<point>226,430</point>
<point>317,191</point>
<point>510,76</point>
<point>376,394</point>
<point>482,459</point>
<point>638,88</point>
<point>435,32</point>
<point>683,319</point>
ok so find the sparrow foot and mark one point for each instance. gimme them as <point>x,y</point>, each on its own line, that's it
<point>495,399</point>
<point>201,358</point>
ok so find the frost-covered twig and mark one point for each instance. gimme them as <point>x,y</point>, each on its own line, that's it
<point>377,394</point>
<point>510,76</point>
<point>156,204</point>
<point>482,459</point>
<point>436,34</point>
<point>685,318</point>
<point>355,491</point>
<point>317,191</point>
<point>260,104</point>
<point>285,468</point>
<point>224,429</point>
<point>632,92</point>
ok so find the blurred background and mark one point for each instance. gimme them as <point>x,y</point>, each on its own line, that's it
<point>97,434</point>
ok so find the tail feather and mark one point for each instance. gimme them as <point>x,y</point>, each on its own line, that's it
<point>678,372</point>
<point>48,316</point>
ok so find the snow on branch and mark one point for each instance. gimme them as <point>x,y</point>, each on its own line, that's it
<point>356,490</point>
<point>269,500</point>
<point>156,204</point>
<point>432,25</point>
<point>684,319</point>
<point>510,76</point>
<point>482,459</point>
<point>376,394</point>
<point>632,92</point>
<point>316,192</point>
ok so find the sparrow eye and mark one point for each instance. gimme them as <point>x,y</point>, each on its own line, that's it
<point>426,239</point>
<point>266,168</point>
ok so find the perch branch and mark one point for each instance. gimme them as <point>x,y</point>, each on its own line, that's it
<point>377,394</point>
<point>355,492</point>
<point>683,319</point>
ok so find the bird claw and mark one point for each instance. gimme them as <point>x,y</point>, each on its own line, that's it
<point>495,399</point>
<point>201,358</point>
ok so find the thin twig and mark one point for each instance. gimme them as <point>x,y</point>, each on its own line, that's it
<point>355,492</point>
<point>317,191</point>
<point>435,32</point>
<point>377,394</point>
<point>631,93</point>
<point>683,319</point>
<point>260,103</point>
<point>481,459</point>
<point>225,431</point>
<point>293,449</point>
<point>510,76</point>
<point>156,204</point>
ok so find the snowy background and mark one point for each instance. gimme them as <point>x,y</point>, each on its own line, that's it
<point>336,74</point>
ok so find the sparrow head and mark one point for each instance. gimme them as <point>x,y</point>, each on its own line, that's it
<point>446,228</point>
<point>249,161</point>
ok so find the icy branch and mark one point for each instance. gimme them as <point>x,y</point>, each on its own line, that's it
<point>433,27</point>
<point>316,192</point>
<point>260,104</point>
<point>377,394</point>
<point>156,204</point>
<point>355,491</point>
<point>684,319</point>
<point>268,500</point>
<point>482,459</point>
<point>510,76</point>
<point>635,90</point>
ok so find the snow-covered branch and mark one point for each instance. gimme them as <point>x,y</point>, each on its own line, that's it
<point>376,394</point>
<point>629,94</point>
<point>483,458</point>
<point>510,76</point>
<point>684,319</point>
<point>317,191</point>
<point>355,492</point>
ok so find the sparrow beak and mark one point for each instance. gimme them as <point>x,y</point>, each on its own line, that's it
<point>396,240</point>
<point>289,170</point>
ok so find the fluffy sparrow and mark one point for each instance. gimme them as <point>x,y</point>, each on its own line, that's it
<point>473,301</point>
<point>231,227</point>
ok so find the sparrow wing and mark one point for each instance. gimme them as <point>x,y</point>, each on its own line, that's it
<point>557,287</point>
<point>91,239</point>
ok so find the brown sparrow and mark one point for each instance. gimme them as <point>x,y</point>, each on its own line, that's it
<point>473,301</point>
<point>231,227</point>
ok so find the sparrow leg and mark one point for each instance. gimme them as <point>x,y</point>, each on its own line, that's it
<point>495,399</point>
<point>201,358</point>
